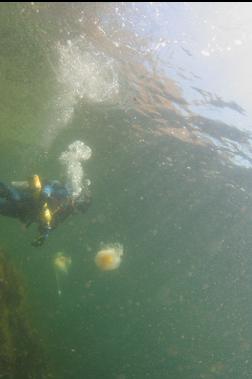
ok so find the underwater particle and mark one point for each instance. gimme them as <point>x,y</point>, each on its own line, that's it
<point>61,264</point>
<point>109,257</point>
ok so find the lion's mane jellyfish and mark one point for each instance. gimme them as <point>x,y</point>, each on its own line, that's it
<point>109,257</point>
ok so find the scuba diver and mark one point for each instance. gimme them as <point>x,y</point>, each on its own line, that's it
<point>46,203</point>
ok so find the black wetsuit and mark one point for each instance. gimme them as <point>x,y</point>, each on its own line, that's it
<point>27,205</point>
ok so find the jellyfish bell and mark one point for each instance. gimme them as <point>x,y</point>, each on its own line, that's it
<point>109,257</point>
<point>62,262</point>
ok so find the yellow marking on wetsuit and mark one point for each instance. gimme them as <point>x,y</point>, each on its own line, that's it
<point>36,183</point>
<point>46,214</point>
<point>36,186</point>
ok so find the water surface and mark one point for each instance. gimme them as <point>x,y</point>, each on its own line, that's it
<point>161,93</point>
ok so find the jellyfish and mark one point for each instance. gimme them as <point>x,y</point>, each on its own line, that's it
<point>109,257</point>
<point>61,265</point>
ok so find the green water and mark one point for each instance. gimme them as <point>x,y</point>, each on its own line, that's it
<point>170,178</point>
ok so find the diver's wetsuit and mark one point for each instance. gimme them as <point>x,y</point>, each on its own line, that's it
<point>47,207</point>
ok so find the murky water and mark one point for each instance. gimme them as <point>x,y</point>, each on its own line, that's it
<point>161,94</point>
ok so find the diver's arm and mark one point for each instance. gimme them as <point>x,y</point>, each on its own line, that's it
<point>45,225</point>
<point>21,185</point>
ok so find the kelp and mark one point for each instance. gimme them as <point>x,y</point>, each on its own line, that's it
<point>22,355</point>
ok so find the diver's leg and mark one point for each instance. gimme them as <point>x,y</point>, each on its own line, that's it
<point>8,200</point>
<point>6,207</point>
<point>9,192</point>
<point>4,202</point>
<point>4,191</point>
